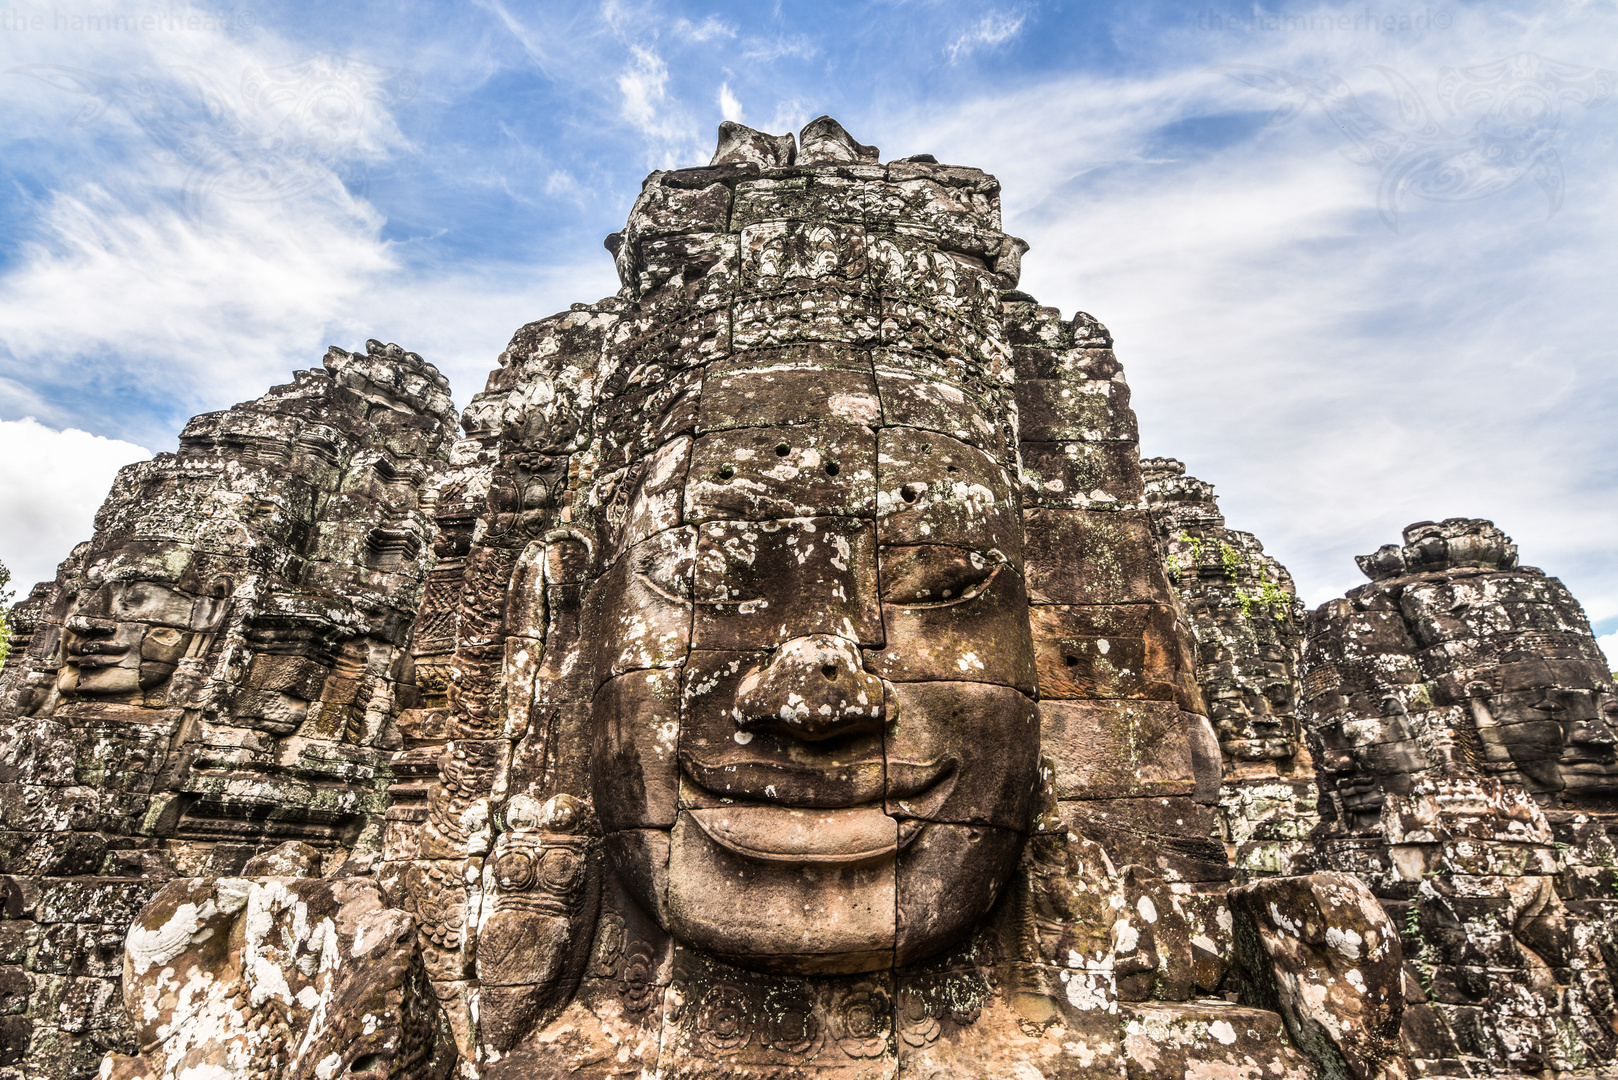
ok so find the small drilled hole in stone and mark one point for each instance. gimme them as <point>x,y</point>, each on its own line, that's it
<point>910,493</point>
<point>832,468</point>
<point>829,670</point>
<point>726,471</point>
<point>782,449</point>
<point>1072,661</point>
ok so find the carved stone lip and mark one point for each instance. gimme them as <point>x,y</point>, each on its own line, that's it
<point>785,834</point>
<point>823,787</point>
<point>95,659</point>
<point>828,786</point>
<point>1588,764</point>
<point>894,809</point>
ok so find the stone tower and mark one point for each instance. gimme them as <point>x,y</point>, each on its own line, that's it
<point>216,672</point>
<point>1463,718</point>
<point>1249,626</point>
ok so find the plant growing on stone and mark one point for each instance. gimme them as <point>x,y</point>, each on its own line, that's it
<point>5,601</point>
<point>1196,546</point>
<point>1275,598</point>
<point>1413,931</point>
<point>1230,559</point>
<point>1270,596</point>
<point>1245,600</point>
<point>1608,865</point>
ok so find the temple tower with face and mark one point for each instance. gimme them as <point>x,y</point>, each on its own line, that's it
<point>1463,720</point>
<point>218,671</point>
<point>818,703</point>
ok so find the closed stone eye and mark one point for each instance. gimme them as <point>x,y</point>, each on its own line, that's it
<point>926,575</point>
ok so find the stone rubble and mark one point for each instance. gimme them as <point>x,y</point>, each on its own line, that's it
<point>788,669</point>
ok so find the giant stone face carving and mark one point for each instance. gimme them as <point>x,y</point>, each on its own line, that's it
<point>845,719</point>
<point>784,583</point>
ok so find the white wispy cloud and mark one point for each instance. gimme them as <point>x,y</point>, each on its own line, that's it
<point>729,107</point>
<point>990,30</point>
<point>223,298</point>
<point>709,29</point>
<point>537,44</point>
<point>53,483</point>
<point>1334,379</point>
<point>649,107</point>
<point>154,280</point>
<point>764,50</point>
<point>644,87</point>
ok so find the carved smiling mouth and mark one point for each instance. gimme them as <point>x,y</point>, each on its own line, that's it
<point>90,657</point>
<point>791,813</point>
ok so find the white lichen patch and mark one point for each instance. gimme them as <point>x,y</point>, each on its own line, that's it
<point>1345,940</point>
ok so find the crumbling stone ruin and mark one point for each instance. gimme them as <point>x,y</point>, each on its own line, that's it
<point>787,670</point>
<point>1248,622</point>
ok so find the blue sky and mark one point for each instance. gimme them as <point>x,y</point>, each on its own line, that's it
<point>1356,257</point>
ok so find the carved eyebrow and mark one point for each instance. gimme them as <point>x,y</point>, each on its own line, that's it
<point>726,603</point>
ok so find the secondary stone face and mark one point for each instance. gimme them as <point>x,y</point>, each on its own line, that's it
<point>1463,716</point>
<point>1248,621</point>
<point>218,670</point>
<point>788,671</point>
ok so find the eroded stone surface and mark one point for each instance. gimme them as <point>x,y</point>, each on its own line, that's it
<point>1330,956</point>
<point>278,976</point>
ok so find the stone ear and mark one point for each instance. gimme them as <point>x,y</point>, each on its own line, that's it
<point>525,593</point>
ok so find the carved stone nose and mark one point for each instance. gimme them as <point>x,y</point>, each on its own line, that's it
<point>813,688</point>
